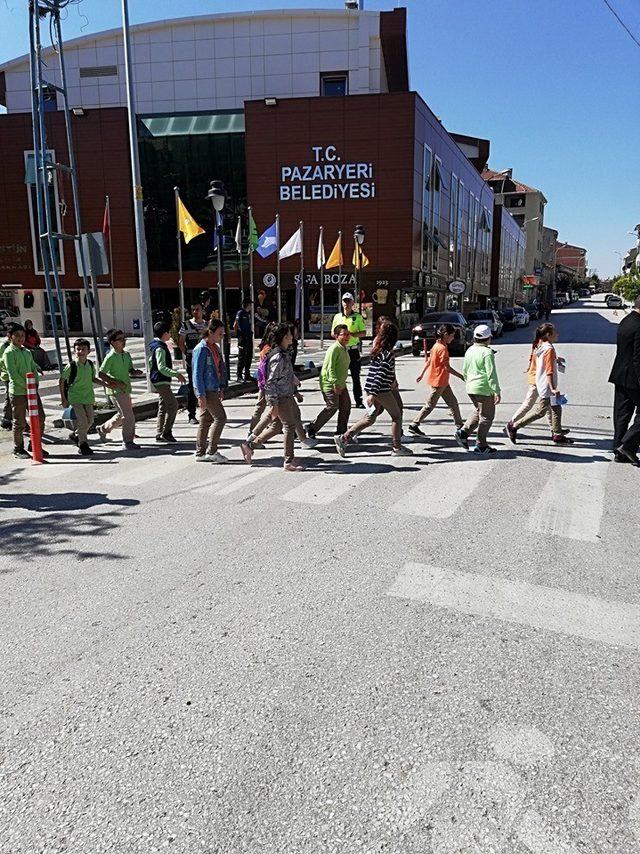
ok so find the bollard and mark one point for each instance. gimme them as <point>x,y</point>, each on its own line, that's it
<point>34,420</point>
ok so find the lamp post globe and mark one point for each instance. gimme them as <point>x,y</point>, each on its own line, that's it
<point>217,195</point>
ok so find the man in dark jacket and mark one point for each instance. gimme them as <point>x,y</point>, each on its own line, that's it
<point>625,375</point>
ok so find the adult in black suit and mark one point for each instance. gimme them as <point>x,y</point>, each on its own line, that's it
<point>625,375</point>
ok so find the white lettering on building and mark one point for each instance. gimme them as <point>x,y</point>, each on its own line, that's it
<point>326,178</point>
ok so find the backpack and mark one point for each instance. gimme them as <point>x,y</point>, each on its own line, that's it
<point>73,373</point>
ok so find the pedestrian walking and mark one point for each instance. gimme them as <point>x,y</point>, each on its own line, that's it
<point>189,337</point>
<point>76,390</point>
<point>116,371</point>
<point>161,373</point>
<point>4,379</point>
<point>547,311</point>
<point>333,384</point>
<point>625,376</point>
<point>281,391</point>
<point>18,362</point>
<point>244,333</point>
<point>263,353</point>
<point>357,329</point>
<point>210,379</point>
<point>438,372</point>
<point>548,391</point>
<point>531,397</point>
<point>381,386</point>
<point>207,306</point>
<point>483,387</point>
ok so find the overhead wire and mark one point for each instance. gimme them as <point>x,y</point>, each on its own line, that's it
<point>621,22</point>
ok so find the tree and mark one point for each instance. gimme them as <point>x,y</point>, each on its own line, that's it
<point>628,286</point>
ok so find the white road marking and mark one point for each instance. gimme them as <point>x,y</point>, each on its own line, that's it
<point>547,608</point>
<point>571,502</point>
<point>540,839</point>
<point>324,488</point>
<point>253,476</point>
<point>443,489</point>
<point>135,472</point>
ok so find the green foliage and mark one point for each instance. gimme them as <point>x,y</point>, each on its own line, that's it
<point>628,286</point>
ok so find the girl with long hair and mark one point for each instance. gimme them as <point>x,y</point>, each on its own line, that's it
<point>438,372</point>
<point>381,388</point>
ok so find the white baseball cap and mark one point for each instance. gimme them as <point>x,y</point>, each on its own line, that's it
<point>482,332</point>
<point>347,296</point>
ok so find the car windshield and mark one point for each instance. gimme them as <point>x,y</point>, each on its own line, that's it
<point>508,312</point>
<point>480,315</point>
<point>441,318</point>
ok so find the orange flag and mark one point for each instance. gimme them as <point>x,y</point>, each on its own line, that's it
<point>335,259</point>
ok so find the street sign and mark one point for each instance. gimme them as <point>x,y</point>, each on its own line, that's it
<point>135,324</point>
<point>457,287</point>
<point>95,254</point>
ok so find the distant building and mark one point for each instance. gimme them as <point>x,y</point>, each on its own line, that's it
<point>572,259</point>
<point>549,246</point>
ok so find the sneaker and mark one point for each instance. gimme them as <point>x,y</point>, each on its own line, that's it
<point>308,443</point>
<point>169,438</point>
<point>293,465</point>
<point>21,454</point>
<point>84,450</point>
<point>415,429</point>
<point>247,452</point>
<point>44,453</point>
<point>621,451</point>
<point>485,452</point>
<point>218,459</point>
<point>7,425</point>
<point>159,438</point>
<point>461,439</point>
<point>340,445</point>
<point>402,452</point>
<point>310,431</point>
<point>203,458</point>
<point>360,405</point>
<point>561,439</point>
<point>193,421</point>
<point>510,432</point>
<point>102,434</point>
<point>73,438</point>
<point>618,458</point>
<point>131,446</point>
<point>354,440</point>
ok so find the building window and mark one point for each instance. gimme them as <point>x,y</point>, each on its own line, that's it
<point>426,207</point>
<point>54,201</point>
<point>50,99</point>
<point>334,84</point>
<point>453,224</point>
<point>436,189</point>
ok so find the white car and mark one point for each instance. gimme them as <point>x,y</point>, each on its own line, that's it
<point>613,301</point>
<point>522,316</point>
<point>488,317</point>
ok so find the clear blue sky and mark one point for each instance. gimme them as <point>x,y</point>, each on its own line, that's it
<point>552,83</point>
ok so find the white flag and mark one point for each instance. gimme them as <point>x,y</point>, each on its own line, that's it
<point>321,256</point>
<point>239,237</point>
<point>293,246</point>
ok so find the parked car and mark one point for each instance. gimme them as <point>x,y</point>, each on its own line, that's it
<point>585,293</point>
<point>533,309</point>
<point>558,302</point>
<point>522,315</point>
<point>613,301</point>
<point>423,334</point>
<point>509,318</point>
<point>487,316</point>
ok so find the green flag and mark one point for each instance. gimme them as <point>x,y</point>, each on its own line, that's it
<point>253,234</point>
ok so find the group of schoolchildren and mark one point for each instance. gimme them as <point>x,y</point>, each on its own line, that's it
<point>277,409</point>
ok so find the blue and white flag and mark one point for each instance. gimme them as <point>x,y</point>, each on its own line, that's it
<point>267,242</point>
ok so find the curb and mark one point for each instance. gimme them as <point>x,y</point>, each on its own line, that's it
<point>145,409</point>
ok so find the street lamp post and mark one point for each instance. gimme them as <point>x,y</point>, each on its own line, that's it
<point>217,196</point>
<point>358,236</point>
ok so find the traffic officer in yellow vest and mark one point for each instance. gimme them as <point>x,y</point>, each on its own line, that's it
<point>355,324</point>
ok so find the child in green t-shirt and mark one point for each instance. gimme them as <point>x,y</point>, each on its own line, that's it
<point>76,390</point>
<point>17,362</point>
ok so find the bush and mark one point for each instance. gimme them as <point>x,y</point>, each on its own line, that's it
<point>628,286</point>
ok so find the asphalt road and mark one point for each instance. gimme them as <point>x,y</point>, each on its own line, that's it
<point>433,654</point>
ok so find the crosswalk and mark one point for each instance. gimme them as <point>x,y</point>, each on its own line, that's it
<point>569,503</point>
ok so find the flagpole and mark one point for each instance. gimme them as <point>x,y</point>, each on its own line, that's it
<point>239,248</point>
<point>278,290</point>
<point>113,291</point>
<point>252,293</point>
<point>301,286</point>
<point>179,240</point>
<point>340,273</point>
<point>322,290</point>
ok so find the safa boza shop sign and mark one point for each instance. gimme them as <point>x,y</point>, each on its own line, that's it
<point>326,177</point>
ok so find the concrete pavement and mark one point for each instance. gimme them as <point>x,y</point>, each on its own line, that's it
<point>430,654</point>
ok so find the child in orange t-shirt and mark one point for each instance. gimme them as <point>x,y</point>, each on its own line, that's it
<point>438,371</point>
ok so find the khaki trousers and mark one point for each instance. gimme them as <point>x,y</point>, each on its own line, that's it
<point>385,401</point>
<point>124,417</point>
<point>527,404</point>
<point>84,420</point>
<point>482,418</point>
<point>6,409</point>
<point>334,402</point>
<point>167,409</point>
<point>261,405</point>
<point>211,424</point>
<point>289,421</point>
<point>19,413</point>
<point>543,407</point>
<point>446,393</point>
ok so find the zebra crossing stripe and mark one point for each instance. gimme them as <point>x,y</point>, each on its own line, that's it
<point>324,488</point>
<point>537,606</point>
<point>429,498</point>
<point>247,479</point>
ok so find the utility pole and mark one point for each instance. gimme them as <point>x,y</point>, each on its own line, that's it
<point>138,201</point>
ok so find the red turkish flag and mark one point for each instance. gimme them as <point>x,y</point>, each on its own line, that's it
<point>106,225</point>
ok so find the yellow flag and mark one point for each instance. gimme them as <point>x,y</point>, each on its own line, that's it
<point>335,259</point>
<point>187,225</point>
<point>359,259</point>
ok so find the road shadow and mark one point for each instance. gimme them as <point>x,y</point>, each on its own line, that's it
<point>350,466</point>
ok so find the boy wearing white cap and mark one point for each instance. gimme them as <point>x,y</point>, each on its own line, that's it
<point>483,387</point>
